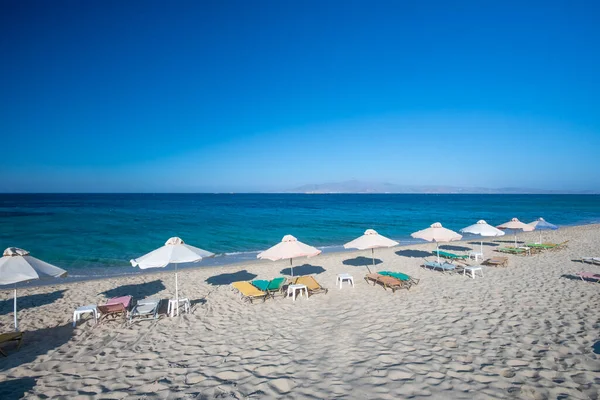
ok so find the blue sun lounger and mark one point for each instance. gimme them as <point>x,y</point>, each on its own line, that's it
<point>444,267</point>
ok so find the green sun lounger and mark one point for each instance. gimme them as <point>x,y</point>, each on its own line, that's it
<point>273,286</point>
<point>510,250</point>
<point>400,276</point>
<point>450,256</point>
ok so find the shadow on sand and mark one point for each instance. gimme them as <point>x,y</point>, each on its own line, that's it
<point>485,244</point>
<point>305,269</point>
<point>454,248</point>
<point>361,261</point>
<point>228,279</point>
<point>596,347</point>
<point>35,343</point>
<point>574,278</point>
<point>30,301</point>
<point>414,253</point>
<point>16,388</point>
<point>139,291</point>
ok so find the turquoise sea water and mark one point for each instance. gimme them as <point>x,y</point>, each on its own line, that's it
<point>96,234</point>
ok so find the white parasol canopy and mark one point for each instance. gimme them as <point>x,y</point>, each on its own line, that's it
<point>516,225</point>
<point>289,247</point>
<point>370,240</point>
<point>17,265</point>
<point>482,228</point>
<point>175,251</point>
<point>437,233</point>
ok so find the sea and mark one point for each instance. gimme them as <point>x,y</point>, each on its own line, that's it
<point>95,235</point>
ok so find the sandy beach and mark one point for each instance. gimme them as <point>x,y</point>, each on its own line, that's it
<point>525,331</point>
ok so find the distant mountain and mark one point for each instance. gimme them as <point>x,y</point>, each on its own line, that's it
<point>355,186</point>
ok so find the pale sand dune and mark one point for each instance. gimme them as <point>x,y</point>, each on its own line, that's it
<point>520,332</point>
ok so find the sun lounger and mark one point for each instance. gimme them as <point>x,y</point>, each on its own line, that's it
<point>592,276</point>
<point>511,250</point>
<point>249,292</point>
<point>497,261</point>
<point>444,267</point>
<point>11,337</point>
<point>311,284</point>
<point>117,306</point>
<point>387,282</point>
<point>450,256</point>
<point>273,286</point>
<point>400,276</point>
<point>591,260</point>
<point>145,309</point>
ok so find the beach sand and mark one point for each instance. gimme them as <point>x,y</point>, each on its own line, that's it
<point>525,331</point>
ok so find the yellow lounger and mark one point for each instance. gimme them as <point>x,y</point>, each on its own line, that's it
<point>248,291</point>
<point>311,284</point>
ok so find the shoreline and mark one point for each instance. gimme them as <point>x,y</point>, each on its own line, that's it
<point>327,251</point>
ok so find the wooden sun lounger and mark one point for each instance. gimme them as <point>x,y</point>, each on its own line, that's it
<point>11,337</point>
<point>497,261</point>
<point>387,282</point>
<point>311,284</point>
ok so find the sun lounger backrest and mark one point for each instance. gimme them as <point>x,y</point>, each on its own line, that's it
<point>125,300</point>
<point>310,282</point>
<point>261,284</point>
<point>112,308</point>
<point>276,283</point>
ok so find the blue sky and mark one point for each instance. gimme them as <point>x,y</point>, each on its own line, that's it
<point>150,96</point>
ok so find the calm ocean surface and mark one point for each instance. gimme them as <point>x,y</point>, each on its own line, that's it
<point>96,234</point>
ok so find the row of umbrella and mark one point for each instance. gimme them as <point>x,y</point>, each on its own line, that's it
<point>17,265</point>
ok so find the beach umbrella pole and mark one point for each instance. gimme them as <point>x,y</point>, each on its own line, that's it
<point>16,323</point>
<point>291,267</point>
<point>176,291</point>
<point>540,237</point>
<point>482,248</point>
<point>437,247</point>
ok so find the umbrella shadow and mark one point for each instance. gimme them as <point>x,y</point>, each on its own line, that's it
<point>305,269</point>
<point>485,244</point>
<point>361,261</point>
<point>35,343</point>
<point>596,347</point>
<point>30,301</point>
<point>413,253</point>
<point>137,291</point>
<point>509,241</point>
<point>455,248</point>
<point>228,279</point>
<point>16,388</point>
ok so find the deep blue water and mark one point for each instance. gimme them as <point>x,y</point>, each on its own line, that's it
<point>98,233</point>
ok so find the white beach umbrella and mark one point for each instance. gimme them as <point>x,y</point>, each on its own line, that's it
<point>437,233</point>
<point>370,240</point>
<point>17,265</point>
<point>541,224</point>
<point>482,228</point>
<point>175,251</point>
<point>516,225</point>
<point>289,247</point>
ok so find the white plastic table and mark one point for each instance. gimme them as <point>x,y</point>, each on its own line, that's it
<point>173,307</point>
<point>344,277</point>
<point>476,255</point>
<point>292,289</point>
<point>472,269</point>
<point>90,308</point>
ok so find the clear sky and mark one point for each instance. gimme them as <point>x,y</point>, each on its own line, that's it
<point>149,96</point>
